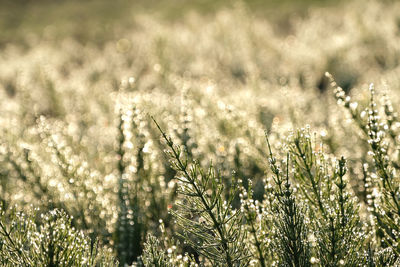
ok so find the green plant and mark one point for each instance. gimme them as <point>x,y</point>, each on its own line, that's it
<point>382,140</point>
<point>209,223</point>
<point>75,136</point>
<point>48,239</point>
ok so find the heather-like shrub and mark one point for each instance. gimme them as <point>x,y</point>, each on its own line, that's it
<point>48,239</point>
<point>213,140</point>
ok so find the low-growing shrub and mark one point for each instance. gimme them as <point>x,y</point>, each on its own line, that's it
<point>258,164</point>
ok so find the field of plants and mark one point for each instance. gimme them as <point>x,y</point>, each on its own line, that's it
<point>226,138</point>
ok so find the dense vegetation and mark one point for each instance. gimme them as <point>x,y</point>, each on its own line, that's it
<point>218,140</point>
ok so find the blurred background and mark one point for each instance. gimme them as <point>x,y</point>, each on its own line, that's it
<point>100,20</point>
<point>78,80</point>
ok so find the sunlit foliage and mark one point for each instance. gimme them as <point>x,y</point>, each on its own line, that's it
<point>218,140</point>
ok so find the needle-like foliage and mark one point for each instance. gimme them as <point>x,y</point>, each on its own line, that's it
<point>383,142</point>
<point>291,240</point>
<point>209,223</point>
<point>27,239</point>
<point>76,140</point>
